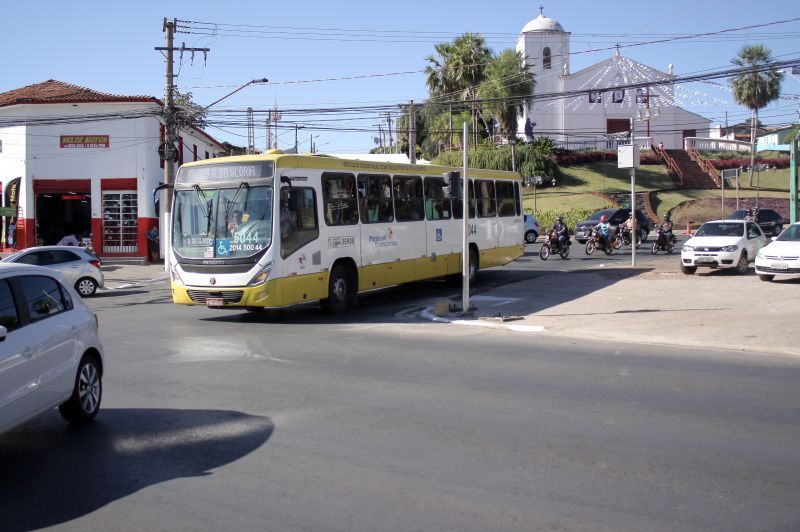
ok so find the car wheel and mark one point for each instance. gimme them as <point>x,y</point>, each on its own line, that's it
<point>338,290</point>
<point>741,266</point>
<point>688,270</point>
<point>86,286</point>
<point>530,237</point>
<point>84,402</point>
<point>766,278</point>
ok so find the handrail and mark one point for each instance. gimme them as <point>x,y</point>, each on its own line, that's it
<point>672,165</point>
<point>706,144</point>
<point>705,165</point>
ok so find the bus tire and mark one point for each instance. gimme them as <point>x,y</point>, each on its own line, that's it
<point>340,290</point>
<point>474,265</point>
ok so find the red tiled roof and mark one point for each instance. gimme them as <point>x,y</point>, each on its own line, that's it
<point>53,91</point>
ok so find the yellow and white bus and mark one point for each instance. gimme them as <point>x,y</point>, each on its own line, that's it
<point>273,230</point>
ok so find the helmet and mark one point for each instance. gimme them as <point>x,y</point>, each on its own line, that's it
<point>558,219</point>
<point>666,216</point>
<point>604,218</point>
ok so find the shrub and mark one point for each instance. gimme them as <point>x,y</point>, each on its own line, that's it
<point>571,217</point>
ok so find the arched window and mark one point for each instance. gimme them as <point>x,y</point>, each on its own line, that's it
<point>546,58</point>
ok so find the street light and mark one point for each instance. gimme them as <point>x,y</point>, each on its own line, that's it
<point>251,82</point>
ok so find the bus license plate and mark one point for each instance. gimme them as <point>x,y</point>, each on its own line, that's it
<point>780,266</point>
<point>215,302</point>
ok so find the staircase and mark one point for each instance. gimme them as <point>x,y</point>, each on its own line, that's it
<point>690,174</point>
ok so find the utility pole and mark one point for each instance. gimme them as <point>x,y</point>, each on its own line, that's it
<point>412,134</point>
<point>268,128</point>
<point>251,132</point>
<point>168,151</point>
<point>389,125</point>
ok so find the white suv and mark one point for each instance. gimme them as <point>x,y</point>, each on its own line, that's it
<point>50,352</point>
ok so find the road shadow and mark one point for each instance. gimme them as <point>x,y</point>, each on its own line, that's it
<point>54,473</point>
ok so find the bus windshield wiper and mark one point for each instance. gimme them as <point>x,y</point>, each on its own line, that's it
<point>206,210</point>
<point>232,204</point>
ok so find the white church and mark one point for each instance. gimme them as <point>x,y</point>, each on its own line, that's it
<point>599,113</point>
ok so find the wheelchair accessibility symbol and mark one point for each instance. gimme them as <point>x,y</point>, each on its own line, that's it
<point>223,248</point>
<point>438,235</point>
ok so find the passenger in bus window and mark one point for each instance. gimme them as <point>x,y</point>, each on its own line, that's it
<point>234,222</point>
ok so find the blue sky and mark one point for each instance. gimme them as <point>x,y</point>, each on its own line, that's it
<point>109,46</point>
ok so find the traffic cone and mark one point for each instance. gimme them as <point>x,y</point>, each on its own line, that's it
<point>688,230</point>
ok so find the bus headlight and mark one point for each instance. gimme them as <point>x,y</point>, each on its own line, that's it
<point>175,276</point>
<point>262,276</point>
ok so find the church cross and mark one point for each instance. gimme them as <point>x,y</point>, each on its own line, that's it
<point>541,10</point>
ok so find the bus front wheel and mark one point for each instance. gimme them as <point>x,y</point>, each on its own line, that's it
<point>339,290</point>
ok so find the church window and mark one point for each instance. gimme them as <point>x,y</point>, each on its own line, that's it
<point>618,96</point>
<point>546,61</point>
<point>595,97</point>
<point>641,97</point>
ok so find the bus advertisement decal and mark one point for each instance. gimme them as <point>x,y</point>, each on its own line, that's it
<point>341,242</point>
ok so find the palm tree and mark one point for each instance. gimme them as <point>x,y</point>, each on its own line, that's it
<point>755,86</point>
<point>508,88</point>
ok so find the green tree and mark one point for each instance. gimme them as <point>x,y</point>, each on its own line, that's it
<point>187,112</point>
<point>755,86</point>
<point>506,91</point>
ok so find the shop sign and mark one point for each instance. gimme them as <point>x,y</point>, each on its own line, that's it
<point>85,141</point>
<point>73,197</point>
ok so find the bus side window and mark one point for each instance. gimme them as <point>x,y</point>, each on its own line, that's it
<point>518,197</point>
<point>377,203</point>
<point>339,198</point>
<point>298,219</point>
<point>506,202</point>
<point>485,198</point>
<point>408,200</point>
<point>437,204</point>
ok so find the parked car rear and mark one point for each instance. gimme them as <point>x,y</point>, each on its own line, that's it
<point>769,220</point>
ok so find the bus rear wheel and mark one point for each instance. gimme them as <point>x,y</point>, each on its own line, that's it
<point>340,290</point>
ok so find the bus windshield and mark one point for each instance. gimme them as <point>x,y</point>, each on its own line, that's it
<point>222,223</point>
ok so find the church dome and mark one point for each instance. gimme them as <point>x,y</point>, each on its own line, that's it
<point>542,23</point>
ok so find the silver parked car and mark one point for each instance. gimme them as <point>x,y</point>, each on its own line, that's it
<point>79,268</point>
<point>50,352</point>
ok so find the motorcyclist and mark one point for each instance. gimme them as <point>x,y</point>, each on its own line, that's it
<point>666,228</point>
<point>560,229</point>
<point>604,229</point>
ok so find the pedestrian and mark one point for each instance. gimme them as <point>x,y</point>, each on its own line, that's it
<point>153,244</point>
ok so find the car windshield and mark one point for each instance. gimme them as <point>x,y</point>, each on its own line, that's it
<point>721,229</point>
<point>596,216</point>
<point>222,223</point>
<point>792,234</point>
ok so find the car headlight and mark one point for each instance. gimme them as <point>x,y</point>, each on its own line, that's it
<point>262,275</point>
<point>175,276</point>
<point>760,254</point>
<point>687,248</point>
<point>730,249</point>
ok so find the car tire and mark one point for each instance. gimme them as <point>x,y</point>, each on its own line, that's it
<point>688,270</point>
<point>86,286</point>
<point>530,237</point>
<point>742,265</point>
<point>84,403</point>
<point>766,278</point>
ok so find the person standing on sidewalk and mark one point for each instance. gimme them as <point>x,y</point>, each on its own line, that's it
<point>153,244</point>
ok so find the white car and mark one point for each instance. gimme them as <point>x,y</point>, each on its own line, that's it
<point>531,229</point>
<point>79,268</point>
<point>722,244</point>
<point>50,352</point>
<point>781,258</point>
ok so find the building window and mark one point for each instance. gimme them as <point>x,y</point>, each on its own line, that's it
<point>120,222</point>
<point>546,58</point>
<point>206,155</point>
<point>595,97</point>
<point>641,97</point>
<point>618,96</point>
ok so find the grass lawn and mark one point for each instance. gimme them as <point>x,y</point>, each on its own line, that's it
<point>665,201</point>
<point>605,177</point>
<point>553,200</point>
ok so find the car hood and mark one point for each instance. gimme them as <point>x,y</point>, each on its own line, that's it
<point>714,241</point>
<point>784,249</point>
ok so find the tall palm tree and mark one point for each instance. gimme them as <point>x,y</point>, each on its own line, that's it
<point>755,87</point>
<point>508,88</point>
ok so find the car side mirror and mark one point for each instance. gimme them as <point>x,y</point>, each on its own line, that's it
<point>774,238</point>
<point>3,333</point>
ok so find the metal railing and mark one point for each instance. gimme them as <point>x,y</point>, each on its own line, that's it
<point>602,143</point>
<point>704,144</point>
<point>672,165</point>
<point>705,165</point>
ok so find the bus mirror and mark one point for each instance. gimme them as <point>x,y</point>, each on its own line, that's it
<point>286,179</point>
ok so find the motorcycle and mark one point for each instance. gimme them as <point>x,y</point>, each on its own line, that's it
<point>596,241</point>
<point>553,245</point>
<point>663,243</point>
<point>623,237</point>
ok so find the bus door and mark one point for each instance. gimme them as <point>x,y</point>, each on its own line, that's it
<point>488,230</point>
<point>298,231</point>
<point>340,218</point>
<point>442,235</point>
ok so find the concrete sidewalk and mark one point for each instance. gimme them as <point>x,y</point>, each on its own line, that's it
<point>651,304</point>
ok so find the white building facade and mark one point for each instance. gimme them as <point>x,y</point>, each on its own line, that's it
<point>585,108</point>
<point>77,161</point>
